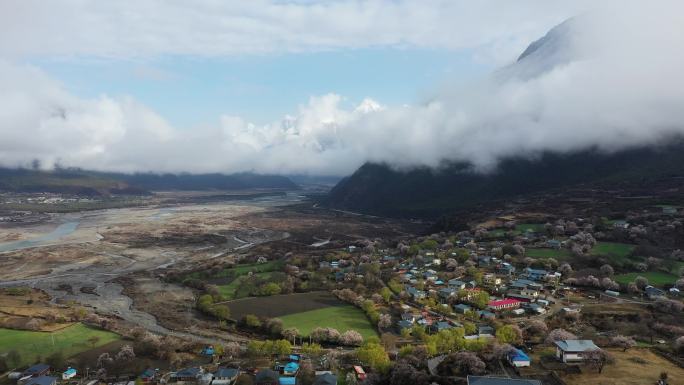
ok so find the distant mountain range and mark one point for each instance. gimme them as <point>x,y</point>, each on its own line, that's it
<point>93,183</point>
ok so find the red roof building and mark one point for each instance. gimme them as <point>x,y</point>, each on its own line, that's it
<point>504,304</point>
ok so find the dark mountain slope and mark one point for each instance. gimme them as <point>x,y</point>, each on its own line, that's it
<point>423,192</point>
<point>93,183</point>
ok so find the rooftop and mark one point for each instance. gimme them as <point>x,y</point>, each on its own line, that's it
<point>576,345</point>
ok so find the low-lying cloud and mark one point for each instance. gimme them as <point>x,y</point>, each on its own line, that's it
<point>610,80</point>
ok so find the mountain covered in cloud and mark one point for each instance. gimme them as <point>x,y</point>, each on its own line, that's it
<point>546,154</point>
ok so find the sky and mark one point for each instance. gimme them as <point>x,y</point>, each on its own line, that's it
<point>320,87</point>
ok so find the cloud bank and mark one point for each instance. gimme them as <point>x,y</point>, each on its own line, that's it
<point>610,79</point>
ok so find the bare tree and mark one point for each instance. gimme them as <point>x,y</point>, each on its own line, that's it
<point>104,359</point>
<point>623,342</point>
<point>559,335</point>
<point>351,338</point>
<point>607,270</point>
<point>597,359</point>
<point>384,321</point>
<point>126,353</point>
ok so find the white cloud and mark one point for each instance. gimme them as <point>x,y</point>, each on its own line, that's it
<point>133,28</point>
<point>609,80</point>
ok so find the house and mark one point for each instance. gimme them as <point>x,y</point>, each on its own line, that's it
<point>415,293</point>
<point>456,284</point>
<point>490,279</point>
<point>440,325</point>
<point>403,324</point>
<point>225,376</point>
<point>462,308</point>
<point>505,269</point>
<point>485,331</point>
<point>535,274</point>
<point>188,375</point>
<point>287,381</point>
<point>573,350</point>
<point>325,379</point>
<point>536,308</point>
<point>69,373</point>
<point>488,380</point>
<point>291,369</point>
<point>267,377</point>
<point>483,314</point>
<point>674,291</point>
<point>669,210</point>
<point>42,380</point>
<point>653,292</point>
<point>484,260</point>
<point>553,244</point>
<point>409,317</point>
<point>517,358</point>
<point>504,304</point>
<point>36,370</point>
<point>149,375</point>
<point>446,293</point>
<point>324,265</point>
<point>620,224</point>
<point>518,311</point>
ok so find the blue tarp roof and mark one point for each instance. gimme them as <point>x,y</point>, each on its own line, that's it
<point>518,355</point>
<point>287,380</point>
<point>70,371</point>
<point>291,366</point>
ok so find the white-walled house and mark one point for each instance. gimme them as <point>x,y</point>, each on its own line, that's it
<point>574,350</point>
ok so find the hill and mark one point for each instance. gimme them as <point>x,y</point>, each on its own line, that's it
<point>93,183</point>
<point>423,192</point>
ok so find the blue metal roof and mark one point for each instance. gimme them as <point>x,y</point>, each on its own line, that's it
<point>518,355</point>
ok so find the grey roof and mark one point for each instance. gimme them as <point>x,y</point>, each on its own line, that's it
<point>266,375</point>
<point>576,345</point>
<point>36,369</point>
<point>42,380</point>
<point>481,380</point>
<point>189,372</point>
<point>226,372</point>
<point>325,379</point>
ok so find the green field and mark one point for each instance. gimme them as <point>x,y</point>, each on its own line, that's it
<point>616,251</point>
<point>548,253</point>
<point>71,340</point>
<point>342,318</point>
<point>236,289</point>
<point>535,227</point>
<point>655,278</point>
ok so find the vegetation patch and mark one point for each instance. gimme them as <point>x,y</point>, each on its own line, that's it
<point>548,253</point>
<point>342,318</point>
<point>33,346</point>
<point>282,305</point>
<point>533,227</point>
<point>633,367</point>
<point>613,250</point>
<point>656,278</point>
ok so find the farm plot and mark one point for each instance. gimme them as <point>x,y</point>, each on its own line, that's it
<point>656,278</point>
<point>633,367</point>
<point>615,251</point>
<point>305,311</point>
<point>559,254</point>
<point>342,318</point>
<point>69,341</point>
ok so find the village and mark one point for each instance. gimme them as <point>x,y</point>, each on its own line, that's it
<point>513,301</point>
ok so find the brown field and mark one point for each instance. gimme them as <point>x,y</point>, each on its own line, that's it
<point>634,367</point>
<point>17,310</point>
<point>280,305</point>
